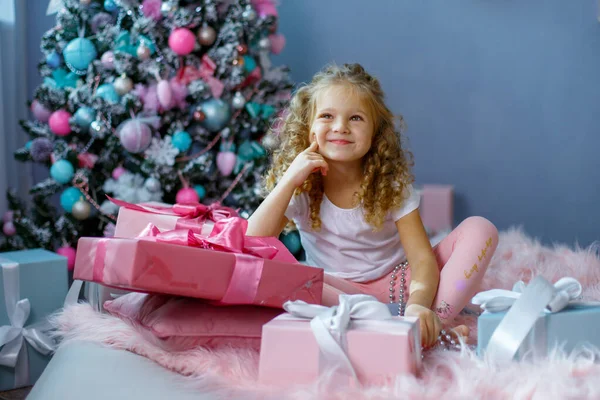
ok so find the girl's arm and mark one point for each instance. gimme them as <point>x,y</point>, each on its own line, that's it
<point>269,218</point>
<point>424,271</point>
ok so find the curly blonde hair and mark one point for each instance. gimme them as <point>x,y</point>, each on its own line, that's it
<point>386,165</point>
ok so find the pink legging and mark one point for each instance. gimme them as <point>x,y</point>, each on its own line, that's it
<point>463,257</point>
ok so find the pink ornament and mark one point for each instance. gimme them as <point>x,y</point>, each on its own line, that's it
<point>265,8</point>
<point>40,112</point>
<point>277,43</point>
<point>87,160</point>
<point>117,172</point>
<point>182,41</point>
<point>70,253</point>
<point>108,60</point>
<point>59,122</point>
<point>9,228</point>
<point>8,216</point>
<point>151,9</point>
<point>187,196</point>
<point>135,136</point>
<point>226,162</point>
<point>164,93</point>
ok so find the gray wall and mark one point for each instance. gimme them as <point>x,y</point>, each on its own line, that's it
<point>501,98</point>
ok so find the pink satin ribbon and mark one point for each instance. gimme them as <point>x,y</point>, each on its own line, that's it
<point>192,216</point>
<point>206,73</point>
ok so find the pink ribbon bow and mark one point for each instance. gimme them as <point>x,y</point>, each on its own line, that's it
<point>206,73</point>
<point>192,216</point>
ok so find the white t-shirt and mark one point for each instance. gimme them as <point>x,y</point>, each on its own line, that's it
<point>346,245</point>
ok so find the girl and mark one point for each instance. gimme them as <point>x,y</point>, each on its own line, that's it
<point>341,175</point>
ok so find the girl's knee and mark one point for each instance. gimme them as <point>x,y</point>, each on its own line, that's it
<point>482,227</point>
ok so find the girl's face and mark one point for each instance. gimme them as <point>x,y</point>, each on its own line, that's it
<point>342,125</point>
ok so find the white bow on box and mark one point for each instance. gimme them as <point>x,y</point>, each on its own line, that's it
<point>525,303</point>
<point>330,324</point>
<point>13,351</point>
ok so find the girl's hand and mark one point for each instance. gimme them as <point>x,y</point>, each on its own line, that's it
<point>304,164</point>
<point>430,323</point>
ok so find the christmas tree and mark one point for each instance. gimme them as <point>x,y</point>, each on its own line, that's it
<point>147,100</point>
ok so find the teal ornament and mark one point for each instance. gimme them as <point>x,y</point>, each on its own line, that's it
<point>28,145</point>
<point>124,44</point>
<point>248,152</point>
<point>217,114</point>
<point>249,64</point>
<point>108,93</point>
<point>84,117</point>
<point>227,146</point>
<point>292,242</point>
<point>110,5</point>
<point>62,171</point>
<point>201,191</point>
<point>79,53</point>
<point>263,110</point>
<point>69,197</point>
<point>53,60</point>
<point>61,79</point>
<point>182,141</point>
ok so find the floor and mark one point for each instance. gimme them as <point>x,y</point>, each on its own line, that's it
<point>17,394</point>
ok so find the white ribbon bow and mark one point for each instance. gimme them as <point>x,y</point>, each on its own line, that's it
<point>329,325</point>
<point>13,353</point>
<point>566,291</point>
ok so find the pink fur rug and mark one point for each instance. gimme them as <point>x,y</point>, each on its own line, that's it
<point>232,373</point>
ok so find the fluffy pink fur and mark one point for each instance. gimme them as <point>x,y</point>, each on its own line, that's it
<point>448,375</point>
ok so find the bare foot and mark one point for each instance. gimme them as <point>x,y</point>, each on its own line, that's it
<point>462,330</point>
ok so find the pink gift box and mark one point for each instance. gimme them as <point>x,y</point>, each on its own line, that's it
<point>134,218</point>
<point>379,350</point>
<point>156,267</point>
<point>437,207</point>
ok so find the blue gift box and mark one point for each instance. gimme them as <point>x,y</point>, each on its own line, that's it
<point>39,279</point>
<point>571,328</point>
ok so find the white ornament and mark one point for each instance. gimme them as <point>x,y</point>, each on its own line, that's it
<point>123,85</point>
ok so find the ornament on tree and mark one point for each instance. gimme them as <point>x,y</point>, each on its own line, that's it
<point>199,115</point>
<point>152,184</point>
<point>207,35</point>
<point>59,123</point>
<point>108,60</point>
<point>182,41</point>
<point>162,151</point>
<point>201,191</point>
<point>238,101</point>
<point>123,85</point>
<point>226,159</point>
<point>217,114</point>
<point>84,117</point>
<point>117,172</point>
<point>85,2</point>
<point>168,8</point>
<point>125,44</point>
<point>9,228</point>
<point>143,52</point>
<point>151,9</point>
<point>40,112</point>
<point>110,6</point>
<point>62,171</point>
<point>242,49</point>
<point>108,92</point>
<point>182,141</point>
<point>187,195</point>
<point>69,197</point>
<point>8,216</point>
<point>53,60</point>
<point>135,134</point>
<point>98,128</point>
<point>249,64</point>
<point>79,53</point>
<point>40,150</point>
<point>249,14</point>
<point>164,93</point>
<point>265,8</point>
<point>81,210</point>
<point>70,254</point>
<point>277,43</point>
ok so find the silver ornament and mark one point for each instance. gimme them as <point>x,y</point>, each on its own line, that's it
<point>269,141</point>
<point>168,8</point>
<point>249,14</point>
<point>81,210</point>
<point>85,2</point>
<point>123,85</point>
<point>143,52</point>
<point>225,133</point>
<point>207,35</point>
<point>152,184</point>
<point>97,129</point>
<point>238,101</point>
<point>264,43</point>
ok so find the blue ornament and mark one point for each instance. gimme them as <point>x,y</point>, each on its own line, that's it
<point>62,79</point>
<point>69,197</point>
<point>216,114</point>
<point>182,141</point>
<point>28,145</point>
<point>110,5</point>
<point>84,117</point>
<point>108,93</point>
<point>201,191</point>
<point>249,64</point>
<point>79,53</point>
<point>62,171</point>
<point>53,60</point>
<point>292,242</point>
